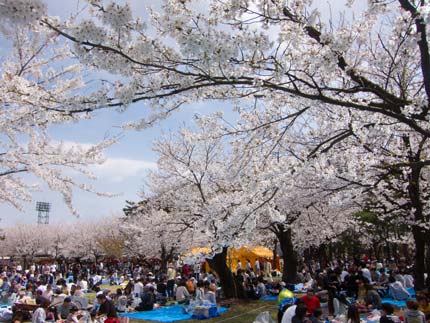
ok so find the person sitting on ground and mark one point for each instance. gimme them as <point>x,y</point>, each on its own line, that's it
<point>209,293</point>
<point>190,285</point>
<point>148,299</point>
<point>73,315</point>
<point>106,309</point>
<point>311,301</point>
<point>316,317</point>
<point>182,294</point>
<point>63,310</point>
<point>48,293</point>
<point>300,314</point>
<point>383,278</point>
<point>39,315</point>
<point>424,305</point>
<point>371,300</point>
<point>161,295</point>
<point>387,311</point>
<point>200,292</point>
<point>289,311</point>
<point>352,316</point>
<point>398,292</point>
<point>412,314</point>
<point>409,279</point>
<point>121,301</point>
<point>260,290</point>
<point>79,292</point>
<point>38,297</point>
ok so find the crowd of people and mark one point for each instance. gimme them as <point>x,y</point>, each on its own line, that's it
<point>348,287</point>
<point>355,287</point>
<point>60,291</point>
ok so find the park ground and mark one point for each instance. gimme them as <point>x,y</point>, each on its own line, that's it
<point>239,312</point>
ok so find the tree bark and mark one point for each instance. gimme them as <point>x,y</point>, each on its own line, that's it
<point>289,255</point>
<point>420,256</point>
<point>418,232</point>
<point>230,286</point>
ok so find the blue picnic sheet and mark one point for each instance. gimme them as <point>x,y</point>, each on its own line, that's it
<point>411,291</point>
<point>165,314</point>
<point>269,298</point>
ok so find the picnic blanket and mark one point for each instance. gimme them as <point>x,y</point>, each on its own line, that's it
<point>269,298</point>
<point>165,314</point>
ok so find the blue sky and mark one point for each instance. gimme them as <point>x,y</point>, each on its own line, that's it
<point>127,162</point>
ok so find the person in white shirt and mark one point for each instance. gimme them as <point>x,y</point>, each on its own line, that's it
<point>409,280</point>
<point>48,293</point>
<point>288,314</point>
<point>138,288</point>
<point>367,274</point>
<point>182,294</point>
<point>39,315</point>
<point>84,284</point>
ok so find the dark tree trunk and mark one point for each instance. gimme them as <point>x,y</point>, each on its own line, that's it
<point>418,232</point>
<point>230,286</point>
<point>419,263</point>
<point>166,256</point>
<point>289,255</point>
<point>275,255</point>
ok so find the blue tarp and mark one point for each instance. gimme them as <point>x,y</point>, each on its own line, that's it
<point>411,291</point>
<point>269,298</point>
<point>394,302</point>
<point>165,314</point>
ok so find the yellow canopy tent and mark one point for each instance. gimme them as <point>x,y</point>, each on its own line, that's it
<point>248,252</point>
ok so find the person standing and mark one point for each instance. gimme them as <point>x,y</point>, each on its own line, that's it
<point>267,268</point>
<point>171,275</point>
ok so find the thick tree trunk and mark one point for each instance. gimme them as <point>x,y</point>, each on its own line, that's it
<point>418,233</point>
<point>289,255</point>
<point>231,288</point>
<point>165,257</point>
<point>420,256</point>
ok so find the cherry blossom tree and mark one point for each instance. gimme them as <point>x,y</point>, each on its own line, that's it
<point>25,240</point>
<point>38,86</point>
<point>152,230</point>
<point>237,194</point>
<point>367,76</point>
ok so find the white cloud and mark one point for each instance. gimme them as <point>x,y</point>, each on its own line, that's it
<point>118,169</point>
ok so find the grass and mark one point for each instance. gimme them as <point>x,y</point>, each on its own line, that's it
<point>245,312</point>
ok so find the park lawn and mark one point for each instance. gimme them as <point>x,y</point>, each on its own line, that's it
<point>245,312</point>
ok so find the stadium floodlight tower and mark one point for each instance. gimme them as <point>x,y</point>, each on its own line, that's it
<point>43,209</point>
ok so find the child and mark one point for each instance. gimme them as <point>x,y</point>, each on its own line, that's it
<point>73,315</point>
<point>412,315</point>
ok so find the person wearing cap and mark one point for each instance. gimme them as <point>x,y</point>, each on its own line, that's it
<point>63,310</point>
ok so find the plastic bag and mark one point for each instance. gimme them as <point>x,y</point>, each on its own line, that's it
<point>264,317</point>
